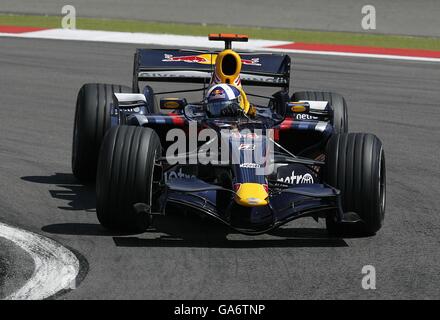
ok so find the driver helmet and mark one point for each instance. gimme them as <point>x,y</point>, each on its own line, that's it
<point>224,100</point>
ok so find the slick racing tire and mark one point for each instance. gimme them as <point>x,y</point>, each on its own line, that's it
<point>337,103</point>
<point>92,120</point>
<point>125,178</point>
<point>355,164</point>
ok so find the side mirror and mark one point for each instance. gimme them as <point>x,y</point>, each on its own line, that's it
<point>298,107</point>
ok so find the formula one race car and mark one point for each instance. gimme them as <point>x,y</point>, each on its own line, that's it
<point>253,167</point>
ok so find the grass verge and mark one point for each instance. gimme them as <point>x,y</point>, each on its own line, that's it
<point>342,38</point>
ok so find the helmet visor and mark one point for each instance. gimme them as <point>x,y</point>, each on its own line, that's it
<point>222,108</point>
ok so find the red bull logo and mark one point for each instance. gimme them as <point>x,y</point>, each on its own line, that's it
<point>188,59</point>
<point>206,59</point>
<point>218,94</point>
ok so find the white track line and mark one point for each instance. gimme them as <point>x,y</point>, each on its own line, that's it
<point>360,55</point>
<point>140,38</point>
<point>189,41</point>
<point>56,267</point>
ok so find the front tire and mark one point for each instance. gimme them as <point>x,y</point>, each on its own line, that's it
<point>355,164</point>
<point>92,120</point>
<point>125,177</point>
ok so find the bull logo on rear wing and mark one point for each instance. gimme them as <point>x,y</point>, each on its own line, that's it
<point>206,59</point>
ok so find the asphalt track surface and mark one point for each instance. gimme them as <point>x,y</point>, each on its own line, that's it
<point>16,267</point>
<point>407,17</point>
<point>190,258</point>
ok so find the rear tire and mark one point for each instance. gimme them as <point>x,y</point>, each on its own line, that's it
<point>92,120</point>
<point>337,103</point>
<point>355,164</point>
<point>125,177</point>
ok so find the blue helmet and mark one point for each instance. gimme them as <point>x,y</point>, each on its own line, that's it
<point>223,100</point>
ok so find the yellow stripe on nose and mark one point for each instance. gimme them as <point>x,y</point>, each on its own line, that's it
<point>251,195</point>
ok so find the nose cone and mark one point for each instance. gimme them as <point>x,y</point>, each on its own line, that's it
<point>251,195</point>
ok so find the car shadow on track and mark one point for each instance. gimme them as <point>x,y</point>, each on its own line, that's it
<point>191,231</point>
<point>68,188</point>
<point>82,229</point>
<point>134,242</point>
<point>174,230</point>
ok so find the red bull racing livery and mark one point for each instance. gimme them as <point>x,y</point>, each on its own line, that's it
<point>252,166</point>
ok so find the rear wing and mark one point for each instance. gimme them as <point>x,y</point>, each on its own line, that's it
<point>193,66</point>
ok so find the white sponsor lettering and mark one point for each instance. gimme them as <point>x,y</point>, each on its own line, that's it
<point>177,175</point>
<point>250,165</point>
<point>305,116</point>
<point>246,146</point>
<point>298,179</point>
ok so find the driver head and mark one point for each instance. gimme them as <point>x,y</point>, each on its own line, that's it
<point>224,100</point>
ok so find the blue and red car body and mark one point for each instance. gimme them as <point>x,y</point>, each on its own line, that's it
<point>294,189</point>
